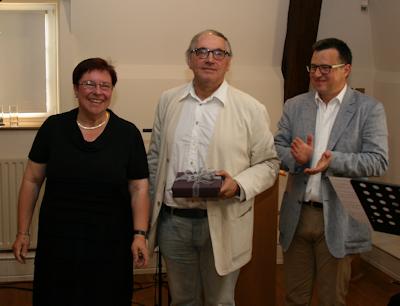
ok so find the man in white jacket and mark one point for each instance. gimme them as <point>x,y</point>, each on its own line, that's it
<point>208,124</point>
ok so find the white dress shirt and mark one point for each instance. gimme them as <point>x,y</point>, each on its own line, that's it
<point>326,115</point>
<point>192,138</point>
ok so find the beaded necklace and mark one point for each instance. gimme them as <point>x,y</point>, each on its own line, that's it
<point>93,127</point>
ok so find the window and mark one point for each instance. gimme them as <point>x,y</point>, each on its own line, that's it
<point>28,61</point>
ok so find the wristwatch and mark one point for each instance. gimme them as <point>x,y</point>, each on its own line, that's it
<point>140,232</point>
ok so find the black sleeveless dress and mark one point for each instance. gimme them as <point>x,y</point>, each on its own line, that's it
<point>83,255</point>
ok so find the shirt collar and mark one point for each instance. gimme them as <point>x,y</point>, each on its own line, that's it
<point>221,93</point>
<point>338,98</point>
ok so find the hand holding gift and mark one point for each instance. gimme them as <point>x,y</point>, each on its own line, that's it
<point>230,187</point>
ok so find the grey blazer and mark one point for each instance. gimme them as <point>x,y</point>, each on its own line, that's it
<point>359,145</point>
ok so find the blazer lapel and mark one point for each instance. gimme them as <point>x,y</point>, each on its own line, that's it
<point>309,116</point>
<point>346,112</point>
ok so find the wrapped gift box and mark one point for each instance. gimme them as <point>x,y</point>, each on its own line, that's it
<point>196,185</point>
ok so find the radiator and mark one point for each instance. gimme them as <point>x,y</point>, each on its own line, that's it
<point>11,173</point>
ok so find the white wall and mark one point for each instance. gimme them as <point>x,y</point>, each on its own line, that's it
<point>345,20</point>
<point>373,37</point>
<point>146,41</point>
<point>385,36</point>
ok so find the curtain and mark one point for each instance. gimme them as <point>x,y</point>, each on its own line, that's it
<point>301,33</point>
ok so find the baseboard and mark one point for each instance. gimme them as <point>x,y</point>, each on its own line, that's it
<point>383,261</point>
<point>380,259</point>
<point>13,271</point>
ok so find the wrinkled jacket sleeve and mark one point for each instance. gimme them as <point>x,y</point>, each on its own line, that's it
<point>154,148</point>
<point>264,163</point>
<point>284,138</point>
<point>372,158</point>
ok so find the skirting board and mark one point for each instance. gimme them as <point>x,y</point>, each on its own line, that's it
<point>13,271</point>
<point>383,261</point>
<point>380,259</point>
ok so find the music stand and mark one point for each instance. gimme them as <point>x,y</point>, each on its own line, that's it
<point>381,203</point>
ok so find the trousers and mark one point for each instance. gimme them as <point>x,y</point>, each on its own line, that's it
<point>308,261</point>
<point>185,245</point>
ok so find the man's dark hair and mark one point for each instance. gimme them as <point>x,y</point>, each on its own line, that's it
<point>334,43</point>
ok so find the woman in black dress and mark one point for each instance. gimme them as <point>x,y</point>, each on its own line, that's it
<point>95,209</point>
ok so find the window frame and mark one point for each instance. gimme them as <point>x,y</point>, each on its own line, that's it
<point>35,119</point>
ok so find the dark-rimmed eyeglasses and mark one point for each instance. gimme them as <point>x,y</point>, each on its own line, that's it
<point>203,53</point>
<point>323,69</point>
<point>92,85</point>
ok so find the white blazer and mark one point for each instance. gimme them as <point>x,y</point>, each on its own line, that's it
<point>242,145</point>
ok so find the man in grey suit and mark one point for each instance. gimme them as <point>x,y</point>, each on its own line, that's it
<point>331,131</point>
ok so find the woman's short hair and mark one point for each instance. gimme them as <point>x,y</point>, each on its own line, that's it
<point>91,64</point>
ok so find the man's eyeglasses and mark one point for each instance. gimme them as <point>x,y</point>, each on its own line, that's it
<point>92,85</point>
<point>203,53</point>
<point>323,69</point>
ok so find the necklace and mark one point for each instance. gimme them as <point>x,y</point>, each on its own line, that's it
<point>93,127</point>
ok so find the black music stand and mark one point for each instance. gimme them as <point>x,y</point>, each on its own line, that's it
<point>381,203</point>
<point>159,281</point>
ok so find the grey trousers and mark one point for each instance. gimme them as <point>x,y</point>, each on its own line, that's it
<point>185,245</point>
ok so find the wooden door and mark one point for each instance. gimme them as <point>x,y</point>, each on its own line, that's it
<point>257,280</point>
